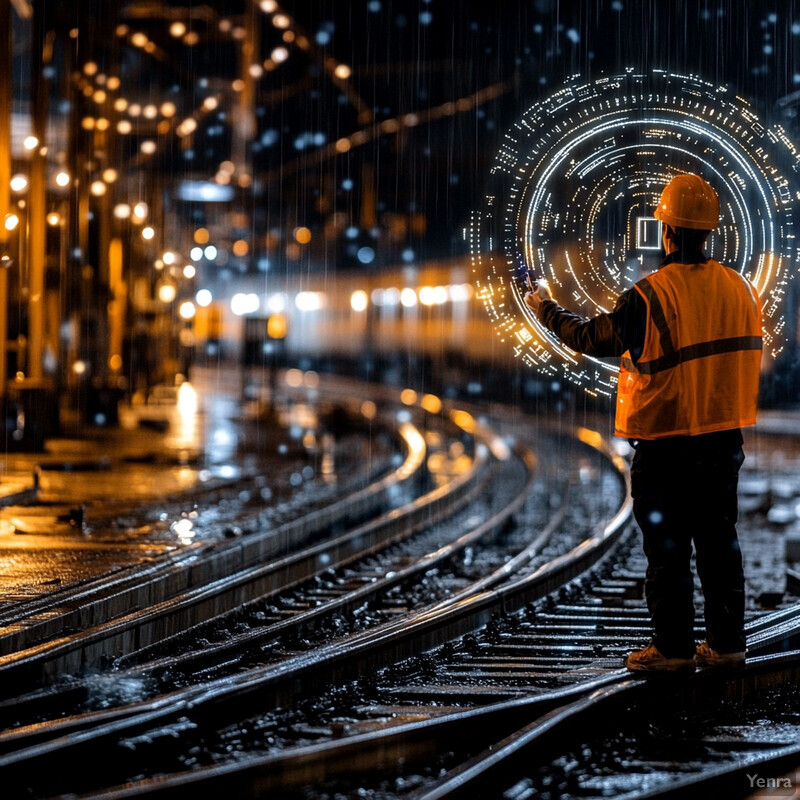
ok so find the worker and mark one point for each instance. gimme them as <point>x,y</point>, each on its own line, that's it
<point>689,339</point>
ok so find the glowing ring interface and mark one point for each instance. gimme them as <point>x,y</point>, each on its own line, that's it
<point>572,194</point>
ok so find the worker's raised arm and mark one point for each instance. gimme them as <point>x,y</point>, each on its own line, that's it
<point>603,336</point>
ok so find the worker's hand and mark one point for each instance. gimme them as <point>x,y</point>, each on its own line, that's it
<point>534,299</point>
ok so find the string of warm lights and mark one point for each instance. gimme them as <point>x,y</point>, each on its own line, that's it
<point>153,123</point>
<point>573,188</point>
<point>130,117</point>
<point>339,72</point>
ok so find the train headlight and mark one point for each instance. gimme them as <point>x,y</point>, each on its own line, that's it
<point>359,300</point>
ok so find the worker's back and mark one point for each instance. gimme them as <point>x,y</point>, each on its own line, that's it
<point>700,364</point>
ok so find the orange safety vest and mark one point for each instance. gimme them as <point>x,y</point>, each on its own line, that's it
<point>699,369</point>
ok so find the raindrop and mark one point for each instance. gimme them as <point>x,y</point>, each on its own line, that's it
<point>366,255</point>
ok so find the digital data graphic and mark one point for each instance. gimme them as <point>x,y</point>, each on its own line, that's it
<point>572,192</point>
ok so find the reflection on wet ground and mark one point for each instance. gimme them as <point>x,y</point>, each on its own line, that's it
<point>191,438</point>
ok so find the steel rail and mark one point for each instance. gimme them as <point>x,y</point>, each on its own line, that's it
<point>398,526</point>
<point>775,632</point>
<point>276,684</point>
<point>76,608</point>
<point>200,583</point>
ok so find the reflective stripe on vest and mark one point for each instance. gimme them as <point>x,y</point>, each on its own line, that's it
<point>700,365</point>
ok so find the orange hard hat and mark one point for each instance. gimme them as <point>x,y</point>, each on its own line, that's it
<point>688,202</point>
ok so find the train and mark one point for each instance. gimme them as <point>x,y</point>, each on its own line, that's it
<point>411,323</point>
<point>411,313</point>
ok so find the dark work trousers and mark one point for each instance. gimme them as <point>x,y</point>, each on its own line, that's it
<point>684,492</point>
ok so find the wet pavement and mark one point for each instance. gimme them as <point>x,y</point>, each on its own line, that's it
<point>116,496</point>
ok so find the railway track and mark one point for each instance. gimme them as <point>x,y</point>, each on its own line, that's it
<point>369,674</point>
<point>394,736</point>
<point>113,616</point>
<point>573,539</point>
<point>627,739</point>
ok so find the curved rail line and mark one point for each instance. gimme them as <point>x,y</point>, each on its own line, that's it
<point>202,585</point>
<point>291,618</point>
<point>276,684</point>
<point>399,524</point>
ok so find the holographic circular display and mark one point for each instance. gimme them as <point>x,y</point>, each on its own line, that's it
<point>572,194</point>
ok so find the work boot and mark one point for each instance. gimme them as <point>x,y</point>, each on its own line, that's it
<point>706,656</point>
<point>650,659</point>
